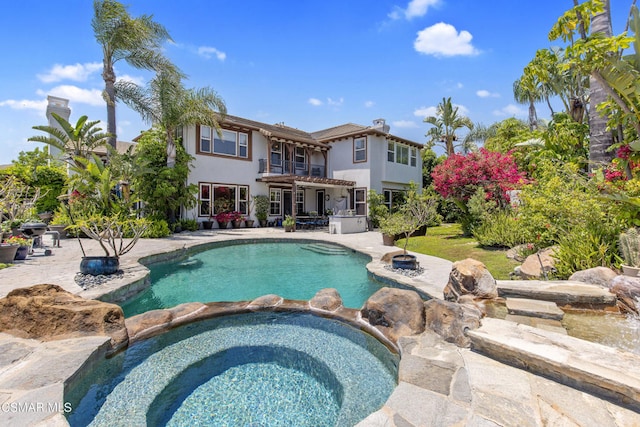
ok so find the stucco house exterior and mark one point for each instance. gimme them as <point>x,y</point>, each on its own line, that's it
<point>330,170</point>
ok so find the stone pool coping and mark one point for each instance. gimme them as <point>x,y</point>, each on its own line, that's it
<point>439,384</point>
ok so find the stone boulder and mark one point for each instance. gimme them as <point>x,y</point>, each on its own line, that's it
<point>48,312</point>
<point>327,299</point>
<point>600,276</point>
<point>627,290</point>
<point>451,320</point>
<point>536,265</point>
<point>395,312</point>
<point>470,277</point>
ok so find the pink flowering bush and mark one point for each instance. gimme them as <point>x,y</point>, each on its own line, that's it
<point>459,177</point>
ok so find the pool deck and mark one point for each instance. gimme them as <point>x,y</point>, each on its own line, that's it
<point>439,383</point>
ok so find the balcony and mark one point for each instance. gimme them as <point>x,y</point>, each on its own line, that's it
<point>293,168</point>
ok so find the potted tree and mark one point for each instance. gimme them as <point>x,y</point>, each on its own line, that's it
<point>262,204</point>
<point>418,210</point>
<point>289,224</point>
<point>629,243</point>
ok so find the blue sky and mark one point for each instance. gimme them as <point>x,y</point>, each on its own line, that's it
<point>309,64</point>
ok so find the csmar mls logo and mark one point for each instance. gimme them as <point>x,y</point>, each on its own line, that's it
<point>36,407</point>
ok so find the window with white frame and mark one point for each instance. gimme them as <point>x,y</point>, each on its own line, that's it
<point>360,149</point>
<point>205,139</point>
<point>276,154</point>
<point>216,198</point>
<point>414,156</point>
<point>299,202</point>
<point>402,154</point>
<point>227,142</point>
<point>393,198</point>
<point>275,201</point>
<point>360,196</point>
<point>391,152</point>
<point>300,157</point>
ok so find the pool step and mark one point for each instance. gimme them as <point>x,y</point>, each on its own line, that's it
<point>325,249</point>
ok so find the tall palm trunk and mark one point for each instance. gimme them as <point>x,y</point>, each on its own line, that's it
<point>599,138</point>
<point>109,77</point>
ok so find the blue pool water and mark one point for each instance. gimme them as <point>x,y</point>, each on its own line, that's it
<point>243,272</point>
<point>258,369</point>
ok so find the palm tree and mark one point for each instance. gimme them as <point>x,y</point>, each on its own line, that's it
<point>79,141</point>
<point>600,139</point>
<point>136,40</point>
<point>527,91</point>
<point>168,104</point>
<point>445,124</point>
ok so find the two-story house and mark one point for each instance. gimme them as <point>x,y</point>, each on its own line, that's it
<point>328,170</point>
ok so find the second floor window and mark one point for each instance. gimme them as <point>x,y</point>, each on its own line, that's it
<point>360,149</point>
<point>402,154</point>
<point>228,143</point>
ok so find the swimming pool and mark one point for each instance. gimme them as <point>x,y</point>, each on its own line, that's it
<point>258,369</point>
<point>243,271</point>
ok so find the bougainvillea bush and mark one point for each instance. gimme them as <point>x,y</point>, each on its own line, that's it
<point>460,176</point>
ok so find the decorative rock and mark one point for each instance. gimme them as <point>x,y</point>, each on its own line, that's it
<point>470,277</point>
<point>395,312</point>
<point>157,321</point>
<point>48,312</point>
<point>536,265</point>
<point>600,276</point>
<point>627,290</point>
<point>389,256</point>
<point>270,300</point>
<point>326,299</point>
<point>451,320</point>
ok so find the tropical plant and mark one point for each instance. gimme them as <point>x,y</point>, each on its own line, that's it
<point>445,124</point>
<point>73,142</point>
<point>17,240</point>
<point>138,41</point>
<point>17,200</point>
<point>262,204</point>
<point>163,190</point>
<point>168,104</point>
<point>110,232</point>
<point>288,221</point>
<point>377,208</point>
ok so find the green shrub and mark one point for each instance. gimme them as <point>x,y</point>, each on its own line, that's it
<point>585,247</point>
<point>189,224</point>
<point>501,229</point>
<point>158,228</point>
<point>478,210</point>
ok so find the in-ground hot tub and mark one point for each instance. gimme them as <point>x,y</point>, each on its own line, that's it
<point>276,369</point>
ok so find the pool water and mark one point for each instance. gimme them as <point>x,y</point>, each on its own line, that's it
<point>258,369</point>
<point>243,272</point>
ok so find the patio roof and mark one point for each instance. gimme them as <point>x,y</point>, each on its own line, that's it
<point>307,181</point>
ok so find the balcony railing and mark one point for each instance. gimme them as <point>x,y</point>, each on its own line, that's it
<point>294,168</point>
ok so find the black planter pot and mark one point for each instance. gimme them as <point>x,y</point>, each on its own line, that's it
<point>207,225</point>
<point>21,253</point>
<point>99,265</point>
<point>405,262</point>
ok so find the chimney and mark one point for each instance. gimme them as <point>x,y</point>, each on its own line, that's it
<point>381,124</point>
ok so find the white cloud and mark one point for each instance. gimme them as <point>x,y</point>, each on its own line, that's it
<point>433,111</point>
<point>405,124</point>
<point>511,110</point>
<point>369,104</point>
<point>335,103</point>
<point>486,94</point>
<point>315,102</point>
<point>25,104</point>
<point>76,94</point>
<point>208,52</point>
<point>425,112</point>
<point>459,85</point>
<point>127,78</point>
<point>415,9</point>
<point>444,40</point>
<point>77,72</point>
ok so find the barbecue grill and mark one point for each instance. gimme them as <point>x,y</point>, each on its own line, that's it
<point>34,231</point>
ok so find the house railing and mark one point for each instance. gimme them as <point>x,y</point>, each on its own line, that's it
<point>294,168</point>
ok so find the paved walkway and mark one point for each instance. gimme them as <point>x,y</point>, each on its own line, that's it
<point>439,383</point>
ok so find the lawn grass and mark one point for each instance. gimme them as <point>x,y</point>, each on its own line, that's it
<point>446,241</point>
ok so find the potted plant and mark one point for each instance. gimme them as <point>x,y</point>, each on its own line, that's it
<point>236,219</point>
<point>262,204</point>
<point>7,253</point>
<point>223,219</point>
<point>248,222</point>
<point>391,226</point>
<point>23,246</point>
<point>289,224</point>
<point>110,232</point>
<point>629,244</point>
<point>59,222</point>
